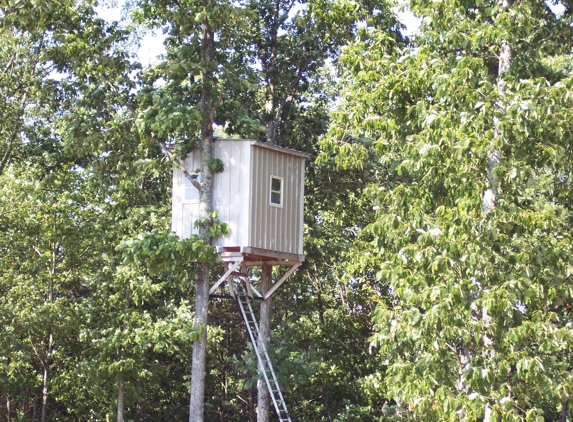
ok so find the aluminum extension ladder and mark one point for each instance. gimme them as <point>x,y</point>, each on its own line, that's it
<point>262,354</point>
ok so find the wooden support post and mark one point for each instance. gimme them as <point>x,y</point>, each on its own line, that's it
<point>263,402</point>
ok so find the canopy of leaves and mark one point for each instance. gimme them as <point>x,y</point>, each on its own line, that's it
<point>428,115</point>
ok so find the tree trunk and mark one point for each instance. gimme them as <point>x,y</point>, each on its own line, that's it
<point>197,397</point>
<point>263,401</point>
<point>252,413</point>
<point>197,394</point>
<point>45,393</point>
<point>325,401</point>
<point>494,154</point>
<point>120,397</point>
<point>8,408</point>
<point>35,409</point>
<point>139,408</point>
<point>270,110</point>
<point>564,409</point>
<point>121,386</point>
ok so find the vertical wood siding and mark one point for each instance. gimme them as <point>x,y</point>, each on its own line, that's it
<point>275,228</point>
<point>241,194</point>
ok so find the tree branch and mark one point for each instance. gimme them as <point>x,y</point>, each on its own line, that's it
<point>17,129</point>
<point>178,163</point>
<point>214,110</point>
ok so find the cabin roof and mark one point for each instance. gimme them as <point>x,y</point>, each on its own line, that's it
<point>266,145</point>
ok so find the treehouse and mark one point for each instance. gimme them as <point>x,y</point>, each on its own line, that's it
<point>259,193</point>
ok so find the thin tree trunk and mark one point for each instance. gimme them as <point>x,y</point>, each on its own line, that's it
<point>45,392</point>
<point>197,397</point>
<point>49,350</point>
<point>268,68</point>
<point>494,155</point>
<point>270,124</point>
<point>325,402</point>
<point>139,408</point>
<point>121,379</point>
<point>263,401</point>
<point>120,397</point>
<point>35,409</point>
<point>318,287</point>
<point>8,408</point>
<point>564,410</point>
<point>252,414</point>
<point>197,394</point>
<point>47,361</point>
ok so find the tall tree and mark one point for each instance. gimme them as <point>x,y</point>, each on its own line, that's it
<point>197,398</point>
<point>197,76</point>
<point>40,83</point>
<point>478,282</point>
<point>293,43</point>
<point>74,171</point>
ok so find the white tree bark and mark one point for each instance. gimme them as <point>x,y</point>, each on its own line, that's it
<point>197,394</point>
<point>8,408</point>
<point>494,155</point>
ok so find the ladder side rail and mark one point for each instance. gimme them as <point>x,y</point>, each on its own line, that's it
<point>267,359</point>
<point>263,360</point>
<point>275,380</point>
<point>259,357</point>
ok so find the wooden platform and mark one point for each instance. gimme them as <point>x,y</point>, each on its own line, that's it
<point>238,258</point>
<point>256,256</point>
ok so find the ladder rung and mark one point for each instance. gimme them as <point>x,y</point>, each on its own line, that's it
<point>238,274</point>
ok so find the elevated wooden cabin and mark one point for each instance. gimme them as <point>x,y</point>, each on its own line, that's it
<point>260,194</point>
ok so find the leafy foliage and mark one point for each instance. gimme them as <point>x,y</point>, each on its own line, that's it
<point>427,113</point>
<point>405,276</point>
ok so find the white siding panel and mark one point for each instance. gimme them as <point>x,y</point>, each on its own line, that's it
<point>300,220</point>
<point>291,217</point>
<point>183,213</point>
<point>231,190</point>
<point>222,193</point>
<point>176,207</point>
<point>244,187</point>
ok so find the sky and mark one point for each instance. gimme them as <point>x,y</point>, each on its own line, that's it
<point>151,46</point>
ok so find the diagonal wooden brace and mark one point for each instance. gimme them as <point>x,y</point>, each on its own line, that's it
<point>231,269</point>
<point>281,281</point>
<point>255,291</point>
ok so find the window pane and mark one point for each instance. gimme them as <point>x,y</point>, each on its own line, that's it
<point>276,198</point>
<point>276,184</point>
<point>191,192</point>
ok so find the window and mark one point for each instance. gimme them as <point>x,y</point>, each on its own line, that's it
<point>191,193</point>
<point>276,191</point>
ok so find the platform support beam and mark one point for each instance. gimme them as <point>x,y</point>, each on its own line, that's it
<point>281,280</point>
<point>224,277</point>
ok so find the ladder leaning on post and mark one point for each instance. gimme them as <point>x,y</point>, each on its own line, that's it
<point>242,290</point>
<point>262,354</point>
